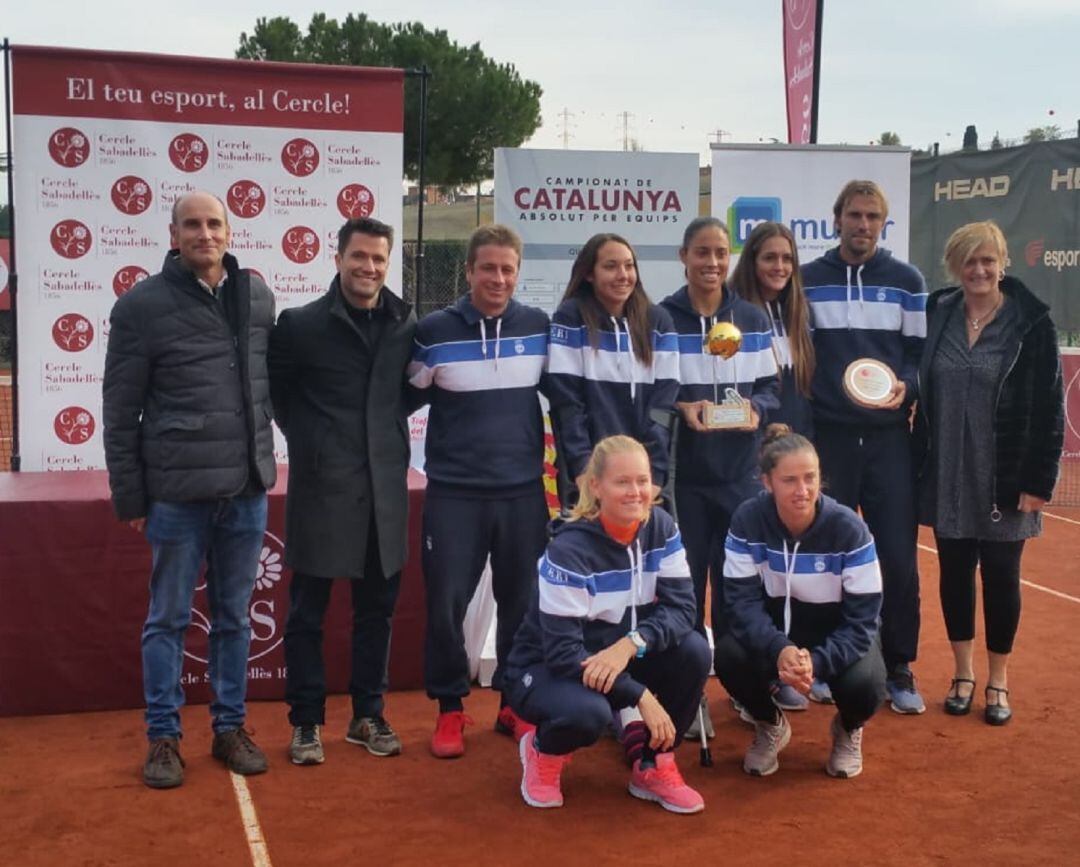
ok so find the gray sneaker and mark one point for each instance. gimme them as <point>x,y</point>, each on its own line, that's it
<point>239,752</point>
<point>163,768</point>
<point>761,759</point>
<point>374,733</point>
<point>903,694</point>
<point>845,760</point>
<point>693,732</point>
<point>306,746</point>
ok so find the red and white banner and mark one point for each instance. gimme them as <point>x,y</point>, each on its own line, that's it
<point>800,68</point>
<point>106,142</point>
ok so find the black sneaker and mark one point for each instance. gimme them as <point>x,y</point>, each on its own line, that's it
<point>374,733</point>
<point>239,753</point>
<point>163,769</point>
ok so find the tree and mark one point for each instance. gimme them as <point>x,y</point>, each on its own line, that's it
<point>971,138</point>
<point>889,138</point>
<point>474,103</point>
<point>1042,133</point>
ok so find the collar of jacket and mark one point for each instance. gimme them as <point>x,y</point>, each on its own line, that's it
<point>177,270</point>
<point>395,307</point>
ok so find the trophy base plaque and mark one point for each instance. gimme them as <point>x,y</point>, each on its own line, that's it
<point>728,414</point>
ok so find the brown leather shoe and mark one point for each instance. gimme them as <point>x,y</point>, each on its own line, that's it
<point>239,753</point>
<point>163,768</point>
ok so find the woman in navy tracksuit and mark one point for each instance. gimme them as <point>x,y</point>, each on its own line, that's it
<point>612,362</point>
<point>715,470</point>
<point>610,627</point>
<point>803,591</point>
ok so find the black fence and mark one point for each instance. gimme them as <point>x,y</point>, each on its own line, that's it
<point>444,274</point>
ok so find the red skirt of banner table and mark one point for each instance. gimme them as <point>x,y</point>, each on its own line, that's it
<point>73,597</point>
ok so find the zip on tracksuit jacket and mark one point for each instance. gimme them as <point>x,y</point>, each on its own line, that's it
<point>821,591</point>
<point>485,428</point>
<point>706,459</point>
<point>875,310</point>
<point>596,393</point>
<point>592,590</point>
<point>794,410</point>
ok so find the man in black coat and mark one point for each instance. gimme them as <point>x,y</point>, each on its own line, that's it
<point>337,379</point>
<point>189,449</point>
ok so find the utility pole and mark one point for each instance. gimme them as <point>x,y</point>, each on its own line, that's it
<point>564,117</point>
<point>625,129</point>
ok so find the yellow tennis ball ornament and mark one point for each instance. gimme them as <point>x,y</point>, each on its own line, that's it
<point>724,339</point>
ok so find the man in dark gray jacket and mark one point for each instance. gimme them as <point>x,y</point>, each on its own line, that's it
<point>337,377</point>
<point>189,448</point>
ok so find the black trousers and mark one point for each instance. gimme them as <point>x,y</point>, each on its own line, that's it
<point>568,715</point>
<point>999,563</point>
<point>858,691</point>
<point>704,517</point>
<point>373,599</point>
<point>459,533</point>
<point>870,468</point>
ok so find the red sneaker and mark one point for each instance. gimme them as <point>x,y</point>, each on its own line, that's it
<point>509,723</point>
<point>665,785</point>
<point>540,775</point>
<point>448,742</point>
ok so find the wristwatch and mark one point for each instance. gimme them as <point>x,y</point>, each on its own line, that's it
<point>638,642</point>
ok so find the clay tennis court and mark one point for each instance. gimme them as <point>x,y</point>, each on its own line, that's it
<point>935,789</point>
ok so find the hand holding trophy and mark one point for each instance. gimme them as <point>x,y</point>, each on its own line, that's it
<point>733,412</point>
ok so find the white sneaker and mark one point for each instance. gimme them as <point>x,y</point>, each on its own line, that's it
<point>845,760</point>
<point>762,757</point>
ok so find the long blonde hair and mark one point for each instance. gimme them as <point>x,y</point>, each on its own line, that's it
<point>588,507</point>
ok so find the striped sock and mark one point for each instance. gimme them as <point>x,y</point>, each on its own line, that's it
<point>635,737</point>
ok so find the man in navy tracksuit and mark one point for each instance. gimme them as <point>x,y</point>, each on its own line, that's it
<point>478,363</point>
<point>864,303</point>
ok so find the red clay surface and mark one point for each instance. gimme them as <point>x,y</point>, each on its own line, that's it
<point>935,789</point>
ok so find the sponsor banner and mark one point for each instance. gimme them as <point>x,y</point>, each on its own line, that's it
<point>558,199</point>
<point>5,270</point>
<point>797,186</point>
<point>1070,371</point>
<point>1031,191</point>
<point>98,177</point>
<point>801,68</point>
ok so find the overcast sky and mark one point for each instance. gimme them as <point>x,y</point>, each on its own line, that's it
<point>683,69</point>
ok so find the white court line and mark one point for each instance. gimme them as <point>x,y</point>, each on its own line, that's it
<point>1030,584</point>
<point>1061,518</point>
<point>260,854</point>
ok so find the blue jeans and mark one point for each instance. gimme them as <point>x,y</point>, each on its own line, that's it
<point>227,535</point>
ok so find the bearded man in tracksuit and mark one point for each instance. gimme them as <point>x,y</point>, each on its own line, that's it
<point>479,363</point>
<point>866,304</point>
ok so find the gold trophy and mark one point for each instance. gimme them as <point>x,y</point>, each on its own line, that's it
<point>724,340</point>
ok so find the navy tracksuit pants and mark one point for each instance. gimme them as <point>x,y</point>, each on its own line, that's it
<point>870,468</point>
<point>704,515</point>
<point>459,533</point>
<point>858,691</point>
<point>568,715</point>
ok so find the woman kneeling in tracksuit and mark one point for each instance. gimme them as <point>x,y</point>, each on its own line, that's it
<point>803,590</point>
<point>610,626</point>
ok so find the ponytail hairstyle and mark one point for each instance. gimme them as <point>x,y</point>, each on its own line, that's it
<point>794,308</point>
<point>593,313</point>
<point>587,506</point>
<point>778,441</point>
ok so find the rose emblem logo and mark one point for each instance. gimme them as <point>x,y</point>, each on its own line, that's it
<point>74,425</point>
<point>246,199</point>
<point>300,244</point>
<point>269,606</point>
<point>72,332</point>
<point>127,277</point>
<point>69,147</point>
<point>131,195</point>
<point>355,201</point>
<point>300,157</point>
<point>188,152</point>
<point>71,239</point>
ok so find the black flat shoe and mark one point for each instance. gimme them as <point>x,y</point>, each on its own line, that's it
<point>997,714</point>
<point>956,704</point>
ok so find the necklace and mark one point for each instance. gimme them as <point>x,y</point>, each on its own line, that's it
<point>977,321</point>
